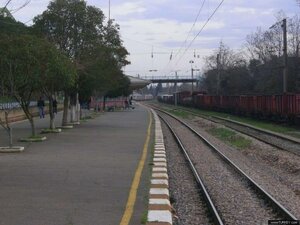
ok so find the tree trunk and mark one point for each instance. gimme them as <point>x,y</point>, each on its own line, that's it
<point>72,113</point>
<point>10,137</point>
<point>73,108</point>
<point>8,129</point>
<point>51,113</point>
<point>104,102</point>
<point>33,133</point>
<point>66,108</point>
<point>30,118</point>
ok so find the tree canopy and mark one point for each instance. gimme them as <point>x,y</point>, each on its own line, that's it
<point>96,48</point>
<point>29,65</point>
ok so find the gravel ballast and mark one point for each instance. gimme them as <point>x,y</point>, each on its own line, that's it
<point>189,206</point>
<point>234,199</point>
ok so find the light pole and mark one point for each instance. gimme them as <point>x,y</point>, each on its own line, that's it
<point>192,70</point>
<point>285,56</point>
<point>108,10</point>
<point>175,97</point>
<point>218,74</point>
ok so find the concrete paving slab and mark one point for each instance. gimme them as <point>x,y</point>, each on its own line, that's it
<point>80,176</point>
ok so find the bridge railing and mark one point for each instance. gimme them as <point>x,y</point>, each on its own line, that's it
<point>167,77</point>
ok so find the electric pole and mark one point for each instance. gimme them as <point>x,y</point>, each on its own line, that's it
<point>218,74</point>
<point>108,10</point>
<point>175,99</point>
<point>191,62</point>
<point>285,56</point>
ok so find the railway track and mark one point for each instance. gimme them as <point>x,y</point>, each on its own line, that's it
<point>223,211</point>
<point>277,140</point>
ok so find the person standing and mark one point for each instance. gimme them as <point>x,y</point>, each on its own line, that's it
<point>41,105</point>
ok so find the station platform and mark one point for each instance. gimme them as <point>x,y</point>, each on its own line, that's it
<point>82,176</point>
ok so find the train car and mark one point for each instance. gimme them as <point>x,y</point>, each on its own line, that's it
<point>284,107</point>
<point>166,98</point>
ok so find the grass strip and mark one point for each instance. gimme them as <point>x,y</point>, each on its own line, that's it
<point>230,137</point>
<point>271,126</point>
<point>180,113</point>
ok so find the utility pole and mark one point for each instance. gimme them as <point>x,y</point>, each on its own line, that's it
<point>192,70</point>
<point>175,100</point>
<point>108,10</point>
<point>218,74</point>
<point>285,56</point>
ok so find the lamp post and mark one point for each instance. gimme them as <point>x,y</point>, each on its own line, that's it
<point>108,9</point>
<point>285,55</point>
<point>175,96</point>
<point>192,70</point>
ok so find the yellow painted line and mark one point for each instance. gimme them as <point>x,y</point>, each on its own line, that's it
<point>136,180</point>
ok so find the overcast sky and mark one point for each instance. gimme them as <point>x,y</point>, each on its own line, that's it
<point>162,26</point>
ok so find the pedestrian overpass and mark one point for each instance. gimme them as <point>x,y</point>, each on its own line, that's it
<point>141,82</point>
<point>170,79</point>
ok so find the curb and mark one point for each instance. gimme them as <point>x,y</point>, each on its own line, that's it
<point>159,207</point>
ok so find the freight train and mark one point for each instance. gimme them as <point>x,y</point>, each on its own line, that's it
<point>284,107</point>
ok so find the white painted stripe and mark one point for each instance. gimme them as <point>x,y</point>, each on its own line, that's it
<point>159,160</point>
<point>160,216</point>
<point>159,155</point>
<point>159,191</point>
<point>159,152</point>
<point>159,169</point>
<point>158,201</point>
<point>163,175</point>
<point>154,181</point>
<point>160,164</point>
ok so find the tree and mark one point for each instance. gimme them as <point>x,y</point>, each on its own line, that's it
<point>27,64</point>
<point>57,73</point>
<point>73,27</point>
<point>265,48</point>
<point>19,70</point>
<point>226,72</point>
<point>101,75</point>
<point>9,26</point>
<point>78,29</point>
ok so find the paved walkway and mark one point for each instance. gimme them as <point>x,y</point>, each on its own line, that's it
<point>79,177</point>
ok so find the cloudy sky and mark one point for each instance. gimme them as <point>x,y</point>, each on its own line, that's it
<point>162,27</point>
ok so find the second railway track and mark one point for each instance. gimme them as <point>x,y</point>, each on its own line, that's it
<point>238,199</point>
<point>282,142</point>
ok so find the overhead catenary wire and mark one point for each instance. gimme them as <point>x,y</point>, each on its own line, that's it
<point>200,31</point>
<point>6,4</point>
<point>21,7</point>
<point>192,27</point>
<point>188,35</point>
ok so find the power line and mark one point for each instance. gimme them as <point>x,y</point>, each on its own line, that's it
<point>195,21</point>
<point>188,35</point>
<point>209,18</point>
<point>7,4</point>
<point>21,7</point>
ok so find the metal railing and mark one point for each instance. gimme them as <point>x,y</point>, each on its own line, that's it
<point>167,77</point>
<point>14,105</point>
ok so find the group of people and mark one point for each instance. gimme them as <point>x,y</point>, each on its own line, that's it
<point>41,105</point>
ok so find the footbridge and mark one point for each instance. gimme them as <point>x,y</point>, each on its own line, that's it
<point>140,82</point>
<point>170,79</point>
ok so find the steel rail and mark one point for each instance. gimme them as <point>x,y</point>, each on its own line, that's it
<point>215,214</point>
<point>280,208</point>
<point>284,138</point>
<point>246,125</point>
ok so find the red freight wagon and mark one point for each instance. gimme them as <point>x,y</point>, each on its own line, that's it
<point>278,107</point>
